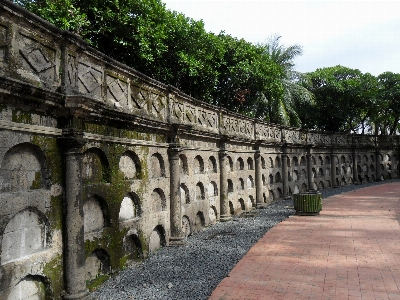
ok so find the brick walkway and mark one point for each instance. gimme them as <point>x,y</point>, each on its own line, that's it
<point>350,251</point>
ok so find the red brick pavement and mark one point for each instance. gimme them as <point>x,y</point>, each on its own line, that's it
<point>350,251</point>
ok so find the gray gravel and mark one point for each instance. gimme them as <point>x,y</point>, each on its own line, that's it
<point>193,271</point>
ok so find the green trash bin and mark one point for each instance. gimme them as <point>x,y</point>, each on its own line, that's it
<point>309,203</point>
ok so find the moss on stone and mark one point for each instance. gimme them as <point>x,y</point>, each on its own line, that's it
<point>93,284</point>
<point>53,270</point>
<point>37,182</point>
<point>53,156</point>
<point>20,116</point>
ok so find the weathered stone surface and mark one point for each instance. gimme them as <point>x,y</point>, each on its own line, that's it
<point>100,164</point>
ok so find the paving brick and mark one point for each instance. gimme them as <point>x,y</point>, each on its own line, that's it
<point>350,251</point>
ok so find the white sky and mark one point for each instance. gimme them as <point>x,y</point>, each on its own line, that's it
<point>362,35</point>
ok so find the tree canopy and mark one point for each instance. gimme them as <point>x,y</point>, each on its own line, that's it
<point>257,80</point>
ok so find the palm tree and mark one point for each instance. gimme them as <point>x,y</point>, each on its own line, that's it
<point>281,108</point>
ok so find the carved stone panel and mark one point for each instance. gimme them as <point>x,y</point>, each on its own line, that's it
<point>72,70</point>
<point>90,80</point>
<point>117,92</point>
<point>37,60</point>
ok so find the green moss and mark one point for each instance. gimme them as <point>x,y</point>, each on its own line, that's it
<point>37,182</point>
<point>93,284</point>
<point>53,270</point>
<point>20,116</point>
<point>53,156</point>
<point>122,133</point>
<point>56,212</point>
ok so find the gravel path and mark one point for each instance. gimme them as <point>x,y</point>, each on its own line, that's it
<point>193,271</point>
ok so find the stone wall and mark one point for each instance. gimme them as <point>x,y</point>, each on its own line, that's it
<point>101,165</point>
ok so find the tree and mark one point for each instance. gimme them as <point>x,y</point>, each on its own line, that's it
<point>386,115</point>
<point>344,99</point>
<point>279,104</point>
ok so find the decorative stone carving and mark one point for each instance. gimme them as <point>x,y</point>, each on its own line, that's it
<point>90,79</point>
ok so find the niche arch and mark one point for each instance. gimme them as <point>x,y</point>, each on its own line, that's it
<point>129,165</point>
<point>25,234</point>
<point>95,166</point>
<point>157,166</point>
<point>23,168</point>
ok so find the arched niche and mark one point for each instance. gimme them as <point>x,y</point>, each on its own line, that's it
<point>230,186</point>
<point>296,189</point>
<point>157,239</point>
<point>295,175</point>
<point>213,214</point>
<point>199,221</point>
<point>96,214</point>
<point>198,165</point>
<point>277,162</point>
<point>320,160</point>
<point>277,177</point>
<point>130,207</point>
<point>159,202</point>
<point>239,164</point>
<point>184,193</point>
<point>231,208</point>
<point>183,164</point>
<point>129,165</point>
<point>200,194</point>
<point>263,165</point>
<point>270,162</point>
<point>242,204</point>
<point>23,168</point>
<point>212,189</point>
<point>95,167</point>
<point>186,226</point>
<point>156,166</point>
<point>295,161</point>
<point>250,182</point>
<point>26,233</point>
<point>250,164</point>
<point>133,246</point>
<point>212,164</point>
<point>229,163</point>
<point>241,184</point>
<point>97,263</point>
<point>302,161</point>
<point>31,287</point>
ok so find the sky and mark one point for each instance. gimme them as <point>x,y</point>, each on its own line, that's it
<point>362,35</point>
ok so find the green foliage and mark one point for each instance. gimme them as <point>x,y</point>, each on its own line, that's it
<point>344,99</point>
<point>386,115</point>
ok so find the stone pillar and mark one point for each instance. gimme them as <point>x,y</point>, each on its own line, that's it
<point>74,240</point>
<point>309,172</point>
<point>224,202</point>
<point>377,166</point>
<point>177,235</point>
<point>355,169</point>
<point>285,184</point>
<point>333,170</point>
<point>259,183</point>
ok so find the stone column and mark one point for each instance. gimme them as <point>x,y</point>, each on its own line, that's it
<point>74,240</point>
<point>177,235</point>
<point>355,169</point>
<point>259,183</point>
<point>377,166</point>
<point>309,172</point>
<point>333,171</point>
<point>285,184</point>
<point>224,202</point>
